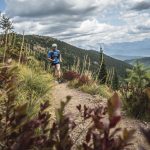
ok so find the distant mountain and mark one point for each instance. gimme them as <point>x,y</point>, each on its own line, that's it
<point>145,61</point>
<point>136,48</point>
<point>125,57</point>
<point>70,52</point>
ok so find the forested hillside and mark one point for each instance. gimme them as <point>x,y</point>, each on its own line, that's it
<point>145,61</point>
<point>70,53</point>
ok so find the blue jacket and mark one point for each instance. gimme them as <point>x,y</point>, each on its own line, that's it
<point>55,56</point>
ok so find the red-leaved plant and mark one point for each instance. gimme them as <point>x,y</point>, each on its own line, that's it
<point>83,79</point>
<point>102,134</point>
<point>19,132</point>
<point>71,75</point>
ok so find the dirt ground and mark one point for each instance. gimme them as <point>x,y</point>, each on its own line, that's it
<point>60,92</point>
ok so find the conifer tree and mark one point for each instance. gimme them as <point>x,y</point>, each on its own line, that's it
<point>6,26</point>
<point>102,70</point>
<point>138,76</point>
<point>115,81</point>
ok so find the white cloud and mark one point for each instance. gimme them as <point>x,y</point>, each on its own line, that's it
<point>81,22</point>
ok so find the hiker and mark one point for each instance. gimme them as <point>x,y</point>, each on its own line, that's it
<point>54,57</point>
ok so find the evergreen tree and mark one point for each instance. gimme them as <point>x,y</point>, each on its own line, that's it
<point>115,81</point>
<point>138,76</point>
<point>6,26</point>
<point>102,70</point>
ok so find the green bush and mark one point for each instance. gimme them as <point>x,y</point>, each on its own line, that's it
<point>92,89</point>
<point>73,83</point>
<point>33,86</point>
<point>33,63</point>
<point>105,91</point>
<point>135,100</point>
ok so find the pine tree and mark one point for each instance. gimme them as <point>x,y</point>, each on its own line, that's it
<point>138,76</point>
<point>102,70</point>
<point>115,81</point>
<point>6,26</point>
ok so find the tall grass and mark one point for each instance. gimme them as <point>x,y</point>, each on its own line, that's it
<point>93,89</point>
<point>80,76</point>
<point>33,88</point>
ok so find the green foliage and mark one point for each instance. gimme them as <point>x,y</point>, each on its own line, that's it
<point>33,81</point>
<point>138,76</point>
<point>70,53</point>
<point>105,91</point>
<point>17,130</point>
<point>102,75</point>
<point>33,63</point>
<point>115,81</point>
<point>33,87</point>
<point>5,23</point>
<point>92,89</point>
<point>144,60</point>
<point>1,51</point>
<point>136,101</point>
<point>73,84</point>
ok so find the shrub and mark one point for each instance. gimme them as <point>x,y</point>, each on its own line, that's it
<point>33,87</point>
<point>91,89</point>
<point>105,91</point>
<point>83,79</point>
<point>71,75</point>
<point>34,81</point>
<point>136,101</point>
<point>73,83</point>
<point>33,63</point>
<point>101,133</point>
<point>137,105</point>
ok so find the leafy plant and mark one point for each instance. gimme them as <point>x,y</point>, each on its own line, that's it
<point>100,134</point>
<point>83,79</point>
<point>71,75</point>
<point>105,91</point>
<point>33,87</point>
<point>90,88</point>
<point>20,132</point>
<point>136,101</point>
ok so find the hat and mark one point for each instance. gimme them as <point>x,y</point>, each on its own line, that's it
<point>54,45</point>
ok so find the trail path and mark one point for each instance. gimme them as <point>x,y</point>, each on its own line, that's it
<point>62,90</point>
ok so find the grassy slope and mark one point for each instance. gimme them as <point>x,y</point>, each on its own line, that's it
<point>34,84</point>
<point>69,53</point>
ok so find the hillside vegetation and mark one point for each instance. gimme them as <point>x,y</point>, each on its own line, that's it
<point>70,53</point>
<point>145,61</point>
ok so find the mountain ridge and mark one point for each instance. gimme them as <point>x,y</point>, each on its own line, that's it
<point>126,57</point>
<point>70,52</point>
<point>144,60</point>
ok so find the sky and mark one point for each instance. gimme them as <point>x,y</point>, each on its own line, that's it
<point>121,26</point>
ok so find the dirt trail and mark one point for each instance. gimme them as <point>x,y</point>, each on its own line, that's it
<point>62,90</point>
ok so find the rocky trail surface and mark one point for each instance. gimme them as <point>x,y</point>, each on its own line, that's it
<point>60,92</point>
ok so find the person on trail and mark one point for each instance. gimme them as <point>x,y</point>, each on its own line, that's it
<point>54,57</point>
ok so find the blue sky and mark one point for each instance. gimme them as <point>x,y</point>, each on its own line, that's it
<point>122,25</point>
<point>2,4</point>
